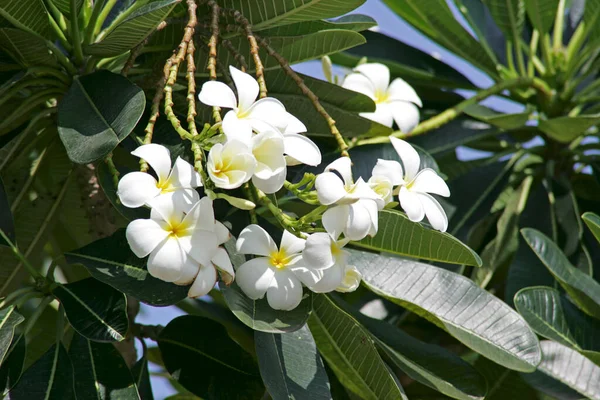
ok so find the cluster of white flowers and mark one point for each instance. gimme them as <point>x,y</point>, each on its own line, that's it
<point>260,139</point>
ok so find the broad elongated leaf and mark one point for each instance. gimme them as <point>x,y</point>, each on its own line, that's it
<point>111,261</point>
<point>64,6</point>
<point>399,235</point>
<point>541,13</point>
<point>97,113</point>
<point>25,48</point>
<point>448,137</point>
<point>565,129</point>
<point>355,22</point>
<point>12,367</point>
<point>9,319</point>
<point>351,353</point>
<point>28,15</point>
<point>495,118</point>
<point>7,225</point>
<point>509,15</point>
<point>132,30</point>
<point>570,368</point>
<point>50,377</point>
<point>94,309</point>
<point>454,303</point>
<point>503,383</point>
<point>100,372</point>
<point>582,288</point>
<point>593,223</point>
<point>291,366</point>
<point>203,359</point>
<point>141,375</point>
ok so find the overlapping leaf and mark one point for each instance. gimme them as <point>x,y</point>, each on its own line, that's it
<point>7,225</point>
<point>495,118</point>
<point>9,319</point>
<point>593,223</point>
<point>565,129</point>
<point>25,48</point>
<point>541,13</point>
<point>28,15</point>
<point>12,367</point>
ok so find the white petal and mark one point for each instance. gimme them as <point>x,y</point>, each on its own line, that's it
<point>428,181</point>
<point>254,277</point>
<point>409,156</point>
<point>136,189</point>
<point>363,191</point>
<point>359,83</point>
<point>167,261</point>
<point>143,235</point>
<point>269,110</point>
<point>291,244</point>
<point>372,208</point>
<point>158,157</point>
<point>411,204</point>
<point>392,170</point>
<point>201,216</point>
<point>171,207</point>
<point>359,221</point>
<point>255,240</point>
<point>267,149</point>
<point>285,292</point>
<point>222,261</point>
<point>204,282</point>
<point>335,219</point>
<point>382,114</point>
<point>200,245</point>
<point>188,273</point>
<point>307,276</point>
<point>271,184</point>
<point>400,90</point>
<point>377,73</point>
<point>302,149</point>
<point>434,211</point>
<point>247,88</point>
<point>184,175</point>
<point>294,125</point>
<point>236,128</point>
<point>383,187</point>
<point>218,94</point>
<point>330,188</point>
<point>351,281</point>
<point>222,233</point>
<point>317,251</point>
<point>405,114</point>
<point>331,279</point>
<point>343,166</point>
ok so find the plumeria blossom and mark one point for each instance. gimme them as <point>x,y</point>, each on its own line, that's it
<point>230,165</point>
<point>325,253</point>
<point>415,185</point>
<point>278,272</point>
<point>246,114</point>
<point>270,171</point>
<point>138,188</point>
<point>355,204</point>
<point>298,148</point>
<point>397,101</point>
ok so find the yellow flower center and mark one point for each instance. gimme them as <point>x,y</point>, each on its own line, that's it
<point>165,186</point>
<point>381,96</point>
<point>335,250</point>
<point>177,228</point>
<point>278,259</point>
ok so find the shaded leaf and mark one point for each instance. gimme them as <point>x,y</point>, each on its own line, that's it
<point>28,15</point>
<point>541,13</point>
<point>12,367</point>
<point>449,136</point>
<point>593,223</point>
<point>501,120</point>
<point>509,15</point>
<point>7,225</point>
<point>354,22</point>
<point>141,375</point>
<point>565,129</point>
<point>504,383</point>
<point>64,6</point>
<point>9,319</point>
<point>25,48</point>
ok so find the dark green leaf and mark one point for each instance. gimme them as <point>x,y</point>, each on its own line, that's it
<point>97,113</point>
<point>509,15</point>
<point>350,352</point>
<point>582,288</point>
<point>399,235</point>
<point>200,356</point>
<point>565,129</point>
<point>503,383</point>
<point>593,223</point>
<point>28,15</point>
<point>290,365</point>
<point>141,375</point>
<point>354,22</point>
<point>111,261</point>
<point>473,316</point>
<point>541,13</point>
<point>448,137</point>
<point>12,366</point>
<point>25,48</point>
<point>94,309</point>
<point>50,377</point>
<point>7,225</point>
<point>64,6</point>
<point>9,319</point>
<point>495,118</point>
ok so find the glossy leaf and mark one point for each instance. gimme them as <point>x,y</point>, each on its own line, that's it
<point>7,225</point>
<point>97,113</point>
<point>100,372</point>
<point>582,288</point>
<point>353,22</point>
<point>495,118</point>
<point>351,353</point>
<point>565,129</point>
<point>50,377</point>
<point>12,367</point>
<point>290,365</point>
<point>111,261</point>
<point>25,48</point>
<point>9,319</point>
<point>132,30</point>
<point>541,13</point>
<point>509,15</point>
<point>27,15</point>
<point>203,359</point>
<point>399,235</point>
<point>473,316</point>
<point>593,223</point>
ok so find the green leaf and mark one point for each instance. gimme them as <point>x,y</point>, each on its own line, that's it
<point>593,223</point>
<point>355,22</point>
<point>495,118</point>
<point>503,383</point>
<point>541,13</point>
<point>64,6</point>
<point>473,316</point>
<point>350,352</point>
<point>111,261</point>
<point>7,225</point>
<point>565,129</point>
<point>141,375</point>
<point>50,377</point>
<point>582,288</point>
<point>100,372</point>
<point>27,15</point>
<point>570,368</point>
<point>26,48</point>
<point>94,309</point>
<point>449,136</point>
<point>399,235</point>
<point>509,15</point>
<point>199,354</point>
<point>98,111</point>
<point>9,319</point>
<point>132,30</point>
<point>291,366</point>
<point>12,366</point>
<point>552,316</point>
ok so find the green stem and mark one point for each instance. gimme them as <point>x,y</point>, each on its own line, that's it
<point>314,215</point>
<point>75,34</point>
<point>285,221</point>
<point>546,54</point>
<point>50,71</point>
<point>91,25</point>
<point>14,296</point>
<point>32,271</point>
<point>533,45</point>
<point>57,16</point>
<point>112,169</point>
<point>106,9</point>
<point>37,313</point>
<point>574,46</point>
<point>62,59</point>
<point>60,34</point>
<point>558,26</point>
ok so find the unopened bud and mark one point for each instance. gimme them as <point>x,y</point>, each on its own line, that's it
<point>327,68</point>
<point>237,202</point>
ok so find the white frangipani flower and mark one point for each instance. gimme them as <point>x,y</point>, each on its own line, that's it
<point>397,101</point>
<point>178,237</point>
<point>356,204</point>
<point>325,253</point>
<point>298,148</point>
<point>230,165</point>
<point>415,185</point>
<point>270,171</point>
<point>246,113</point>
<point>138,188</point>
<point>383,187</point>
<point>278,272</point>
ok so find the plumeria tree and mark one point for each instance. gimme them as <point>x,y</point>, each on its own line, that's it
<point>318,238</point>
